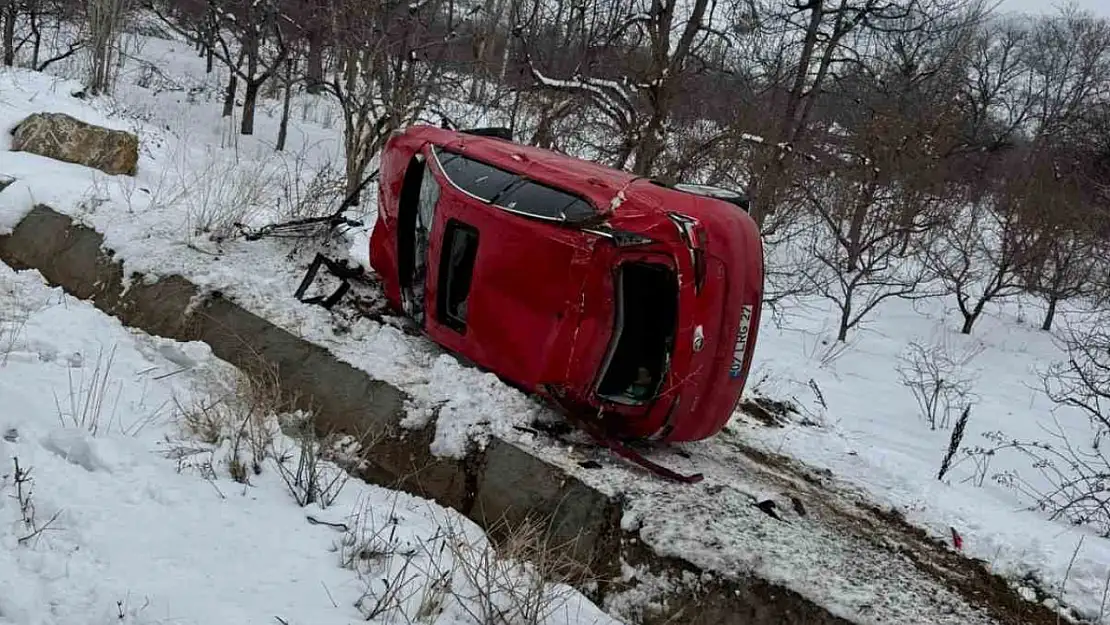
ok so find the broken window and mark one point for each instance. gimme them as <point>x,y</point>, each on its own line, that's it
<point>511,191</point>
<point>416,213</point>
<point>646,311</point>
<point>456,270</point>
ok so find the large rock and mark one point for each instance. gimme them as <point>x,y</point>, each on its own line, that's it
<point>66,138</point>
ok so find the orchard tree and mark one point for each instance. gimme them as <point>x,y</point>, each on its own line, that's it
<point>387,71</point>
<point>660,42</point>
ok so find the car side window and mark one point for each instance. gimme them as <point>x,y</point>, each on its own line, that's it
<point>510,191</point>
<point>456,272</point>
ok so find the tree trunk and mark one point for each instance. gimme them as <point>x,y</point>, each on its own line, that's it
<point>9,33</point>
<point>969,322</point>
<point>845,318</point>
<point>286,104</point>
<point>229,95</point>
<point>211,29</point>
<point>1050,316</point>
<point>250,102</point>
<point>764,188</point>
<point>971,315</point>
<point>314,72</point>
<point>36,36</point>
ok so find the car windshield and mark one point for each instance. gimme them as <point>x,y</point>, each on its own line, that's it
<point>511,191</point>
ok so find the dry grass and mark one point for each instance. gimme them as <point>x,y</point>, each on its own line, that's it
<point>12,323</point>
<point>414,579</point>
<point>315,477</point>
<point>222,192</point>
<point>217,190</point>
<point>307,190</point>
<point>245,421</point>
<point>89,394</point>
<point>233,412</point>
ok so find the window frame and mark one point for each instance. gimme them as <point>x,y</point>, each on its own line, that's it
<point>445,276</point>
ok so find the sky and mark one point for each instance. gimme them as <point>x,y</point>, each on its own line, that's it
<point>1099,7</point>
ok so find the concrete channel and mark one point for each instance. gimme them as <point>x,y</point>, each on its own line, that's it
<point>497,487</point>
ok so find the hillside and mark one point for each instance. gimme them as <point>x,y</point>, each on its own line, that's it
<point>844,434</point>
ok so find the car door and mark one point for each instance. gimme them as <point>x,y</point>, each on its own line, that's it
<point>501,282</point>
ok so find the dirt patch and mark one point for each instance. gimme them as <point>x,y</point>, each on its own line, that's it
<point>975,582</point>
<point>888,529</point>
<point>696,598</point>
<point>771,413</point>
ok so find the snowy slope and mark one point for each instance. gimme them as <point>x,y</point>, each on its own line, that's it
<point>868,432</point>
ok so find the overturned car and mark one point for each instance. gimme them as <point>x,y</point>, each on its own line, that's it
<point>631,304</point>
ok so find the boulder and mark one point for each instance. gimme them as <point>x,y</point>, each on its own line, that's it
<point>66,138</point>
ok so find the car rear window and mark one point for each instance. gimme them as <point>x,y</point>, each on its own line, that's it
<point>511,191</point>
<point>543,201</point>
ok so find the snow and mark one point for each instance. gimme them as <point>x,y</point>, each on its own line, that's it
<point>109,528</point>
<point>116,491</point>
<point>874,438</point>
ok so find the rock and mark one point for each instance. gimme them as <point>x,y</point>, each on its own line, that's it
<point>65,138</point>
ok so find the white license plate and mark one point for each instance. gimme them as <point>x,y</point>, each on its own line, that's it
<point>741,347</point>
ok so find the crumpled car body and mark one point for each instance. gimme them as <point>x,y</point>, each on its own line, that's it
<point>635,302</point>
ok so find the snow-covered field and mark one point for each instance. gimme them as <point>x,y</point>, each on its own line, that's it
<point>194,171</point>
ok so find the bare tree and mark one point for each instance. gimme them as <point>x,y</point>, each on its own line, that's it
<point>490,17</point>
<point>1078,473</point>
<point>997,97</point>
<point>9,14</point>
<point>858,247</point>
<point>248,36</point>
<point>662,41</point>
<point>818,37</point>
<point>1066,252</point>
<point>104,21</point>
<point>386,75</point>
<point>979,255</point>
<point>939,380</point>
<point>1068,57</point>
<point>1082,381</point>
<point>885,181</point>
<point>21,24</point>
<point>1028,100</point>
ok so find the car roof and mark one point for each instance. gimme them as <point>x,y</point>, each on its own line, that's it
<point>591,180</point>
<point>600,184</point>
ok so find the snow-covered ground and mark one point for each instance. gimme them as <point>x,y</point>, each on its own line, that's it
<point>872,435</point>
<point>119,504</point>
<point>195,170</point>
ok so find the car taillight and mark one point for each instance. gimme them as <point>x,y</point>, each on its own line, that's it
<point>694,237</point>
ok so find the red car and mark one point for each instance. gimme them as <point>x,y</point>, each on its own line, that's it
<point>612,294</point>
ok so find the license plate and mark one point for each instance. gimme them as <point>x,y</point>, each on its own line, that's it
<point>741,347</point>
